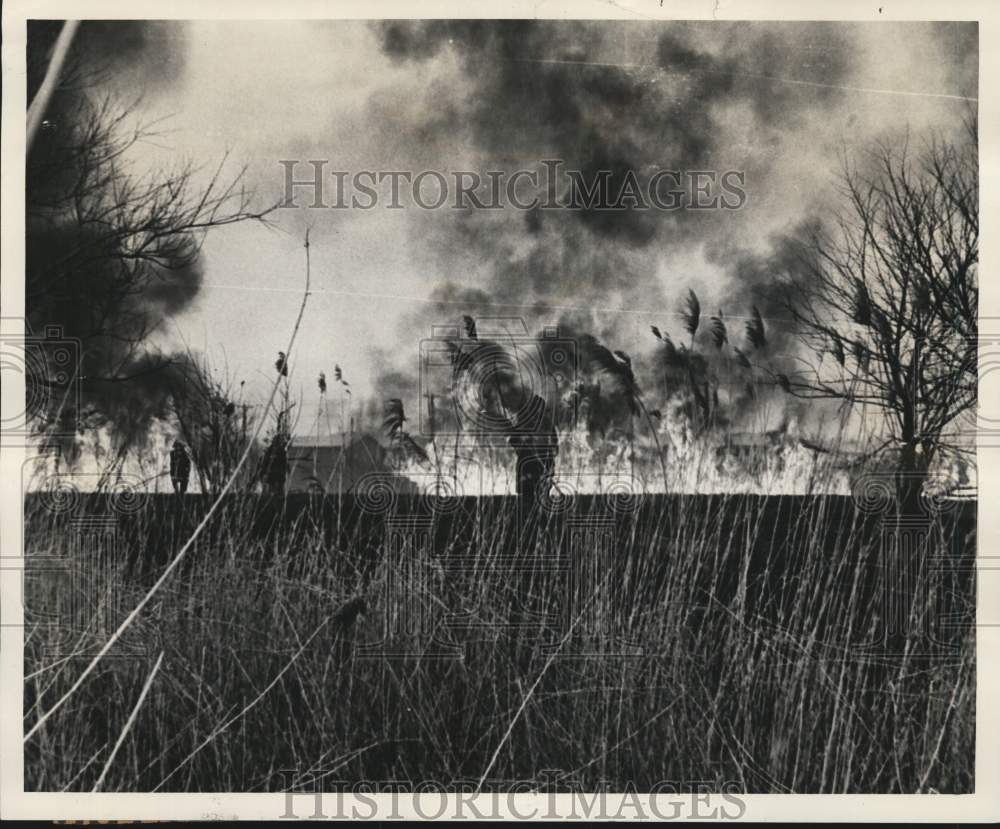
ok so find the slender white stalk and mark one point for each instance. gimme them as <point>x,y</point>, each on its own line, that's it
<point>41,100</point>
<point>128,725</point>
<point>189,543</point>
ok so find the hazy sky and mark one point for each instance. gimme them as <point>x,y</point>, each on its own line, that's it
<point>780,102</point>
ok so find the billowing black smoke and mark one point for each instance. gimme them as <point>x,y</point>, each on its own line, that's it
<point>629,99</point>
<point>573,91</point>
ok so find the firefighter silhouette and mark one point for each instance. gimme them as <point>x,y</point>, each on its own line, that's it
<point>532,436</point>
<point>180,467</point>
<point>276,465</point>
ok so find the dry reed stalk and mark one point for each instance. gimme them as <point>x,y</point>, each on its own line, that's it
<point>128,725</point>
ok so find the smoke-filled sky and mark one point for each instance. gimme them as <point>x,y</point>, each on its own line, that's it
<point>780,102</point>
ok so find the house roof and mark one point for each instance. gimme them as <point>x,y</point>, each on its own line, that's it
<point>334,440</point>
<point>337,440</point>
<point>330,461</point>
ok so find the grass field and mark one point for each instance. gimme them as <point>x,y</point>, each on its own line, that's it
<point>741,640</point>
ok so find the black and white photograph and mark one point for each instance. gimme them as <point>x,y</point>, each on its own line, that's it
<point>569,417</point>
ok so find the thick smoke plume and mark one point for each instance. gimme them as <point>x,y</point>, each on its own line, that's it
<point>626,98</point>
<point>632,99</point>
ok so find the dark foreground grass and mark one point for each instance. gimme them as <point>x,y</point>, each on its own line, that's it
<point>762,643</point>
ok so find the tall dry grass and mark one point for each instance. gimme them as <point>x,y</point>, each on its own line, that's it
<point>738,627</point>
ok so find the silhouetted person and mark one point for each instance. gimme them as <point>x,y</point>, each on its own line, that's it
<point>276,466</point>
<point>180,467</point>
<point>532,436</point>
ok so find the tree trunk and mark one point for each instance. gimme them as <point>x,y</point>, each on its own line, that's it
<point>911,476</point>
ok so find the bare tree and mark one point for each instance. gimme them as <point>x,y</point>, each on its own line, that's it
<point>888,296</point>
<point>214,420</point>
<point>111,251</point>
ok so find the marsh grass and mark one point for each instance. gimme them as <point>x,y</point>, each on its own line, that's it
<point>740,631</point>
